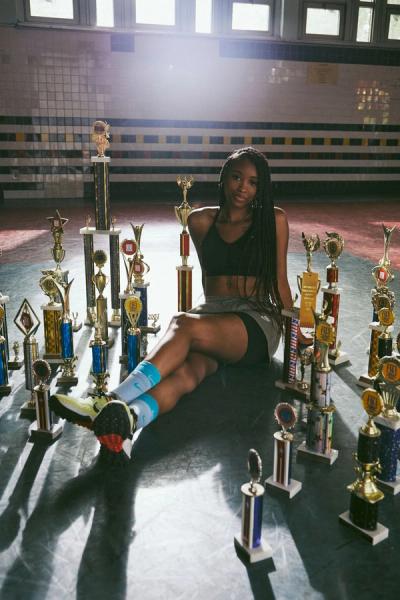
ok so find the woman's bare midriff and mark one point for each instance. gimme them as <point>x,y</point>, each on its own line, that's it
<point>229,285</point>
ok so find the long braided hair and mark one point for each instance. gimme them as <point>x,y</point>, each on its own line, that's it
<point>261,250</point>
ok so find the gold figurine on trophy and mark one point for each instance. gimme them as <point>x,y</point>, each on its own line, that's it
<point>100,280</point>
<point>308,283</point>
<point>101,136</point>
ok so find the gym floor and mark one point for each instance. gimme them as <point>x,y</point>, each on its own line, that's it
<point>164,526</point>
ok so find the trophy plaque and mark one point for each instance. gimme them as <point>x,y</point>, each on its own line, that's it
<point>365,495</point>
<point>250,540</point>
<point>28,323</point>
<point>281,479</point>
<point>43,429</point>
<point>308,283</point>
<point>184,270</point>
<point>318,442</point>
<point>132,309</point>
<point>5,387</point>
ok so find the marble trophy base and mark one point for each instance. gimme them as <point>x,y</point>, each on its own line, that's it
<point>338,359</point>
<point>115,320</point>
<point>28,410</point>
<point>76,327</point>
<point>254,555</point>
<point>53,359</point>
<point>292,489</point>
<point>365,381</point>
<point>149,329</point>
<point>67,381</point>
<point>294,389</point>
<point>329,457</point>
<point>378,535</point>
<point>5,390</point>
<point>390,487</point>
<point>47,436</point>
<point>15,365</point>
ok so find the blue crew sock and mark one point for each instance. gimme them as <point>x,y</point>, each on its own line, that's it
<point>146,410</point>
<point>143,378</point>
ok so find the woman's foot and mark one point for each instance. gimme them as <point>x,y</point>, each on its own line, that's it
<point>114,426</point>
<point>80,411</point>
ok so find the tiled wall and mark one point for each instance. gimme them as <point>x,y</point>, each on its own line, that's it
<point>180,104</point>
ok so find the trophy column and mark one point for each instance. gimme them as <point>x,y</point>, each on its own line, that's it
<point>28,323</point>
<point>89,273</point>
<point>99,363</point>
<point>290,354</point>
<point>5,388</point>
<point>132,309</point>
<point>281,479</point>
<point>43,429</point>
<point>250,540</point>
<point>184,270</point>
<point>365,496</point>
<point>67,376</point>
<point>52,312</point>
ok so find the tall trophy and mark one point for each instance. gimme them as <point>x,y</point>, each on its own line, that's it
<point>250,540</point>
<point>100,281</point>
<point>381,297</point>
<point>68,376</point>
<point>52,314</point>
<point>5,387</point>
<point>318,442</point>
<point>128,248</point>
<point>140,286</point>
<point>43,429</point>
<point>308,283</point>
<point>333,246</point>
<point>105,226</point>
<point>365,495</point>
<point>28,323</point>
<point>281,479</point>
<point>184,270</point>
<point>99,362</point>
<point>388,422</point>
<point>3,324</point>
<point>132,309</point>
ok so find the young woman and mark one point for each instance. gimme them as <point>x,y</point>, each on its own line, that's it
<point>242,248</point>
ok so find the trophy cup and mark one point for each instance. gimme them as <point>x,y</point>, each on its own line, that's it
<point>182,213</point>
<point>99,362</point>
<point>318,442</point>
<point>68,376</point>
<point>333,246</point>
<point>308,283</point>
<point>281,479</point>
<point>100,281</point>
<point>128,249</point>
<point>388,422</point>
<point>5,388</point>
<point>132,309</point>
<point>43,429</point>
<point>16,363</point>
<point>52,312</point>
<point>365,495</point>
<point>381,297</point>
<point>100,162</point>
<point>250,540</point>
<point>28,323</point>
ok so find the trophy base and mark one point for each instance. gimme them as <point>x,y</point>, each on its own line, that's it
<point>53,359</point>
<point>123,359</point>
<point>76,327</point>
<point>115,323</point>
<point>47,436</point>
<point>149,329</point>
<point>292,489</point>
<point>390,487</point>
<point>5,390</point>
<point>365,381</point>
<point>253,555</point>
<point>381,532</point>
<point>28,411</point>
<point>294,389</point>
<point>15,365</point>
<point>338,359</point>
<point>67,380</point>
<point>329,457</point>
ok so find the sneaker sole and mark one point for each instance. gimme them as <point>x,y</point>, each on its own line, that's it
<point>112,426</point>
<point>71,416</point>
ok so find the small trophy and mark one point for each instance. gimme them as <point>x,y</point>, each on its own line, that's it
<point>308,283</point>
<point>140,268</point>
<point>333,246</point>
<point>5,388</point>
<point>250,540</point>
<point>388,423</point>
<point>43,429</point>
<point>365,495</point>
<point>99,362</point>
<point>382,273</point>
<point>52,313</point>
<point>128,248</point>
<point>182,213</point>
<point>57,229</point>
<point>281,479</point>
<point>16,363</point>
<point>68,376</point>
<point>28,323</point>
<point>100,281</point>
<point>132,308</point>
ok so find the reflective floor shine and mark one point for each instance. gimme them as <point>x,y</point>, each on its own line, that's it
<point>164,526</point>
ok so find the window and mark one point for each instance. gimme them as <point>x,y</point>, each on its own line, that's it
<point>393,20</point>
<point>203,16</point>
<point>250,16</point>
<point>155,12</point>
<point>365,21</point>
<point>324,19</point>
<point>52,9</point>
<point>105,13</point>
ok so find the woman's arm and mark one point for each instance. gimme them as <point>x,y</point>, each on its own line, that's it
<point>199,222</point>
<point>282,240</point>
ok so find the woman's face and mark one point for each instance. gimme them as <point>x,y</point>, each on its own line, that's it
<point>240,183</point>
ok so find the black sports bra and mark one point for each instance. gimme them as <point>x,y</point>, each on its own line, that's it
<point>224,258</point>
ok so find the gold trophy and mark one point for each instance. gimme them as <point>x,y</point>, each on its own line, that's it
<point>43,429</point>
<point>57,229</point>
<point>308,283</point>
<point>140,286</point>
<point>99,362</point>
<point>100,281</point>
<point>184,270</point>
<point>133,307</point>
<point>100,137</point>
<point>52,313</point>
<point>128,249</point>
<point>28,323</point>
